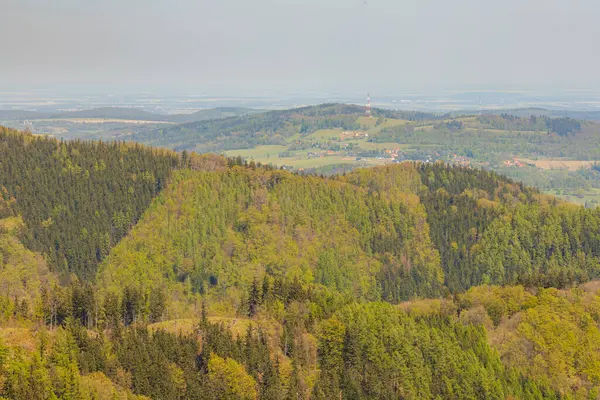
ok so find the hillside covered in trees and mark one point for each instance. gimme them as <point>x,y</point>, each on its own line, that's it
<point>131,272</point>
<point>77,199</point>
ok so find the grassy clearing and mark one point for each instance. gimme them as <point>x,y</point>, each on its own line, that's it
<point>300,160</point>
<point>18,337</point>
<point>379,146</point>
<point>316,162</point>
<point>549,163</point>
<point>10,223</point>
<point>590,196</point>
<point>237,325</point>
<point>258,153</point>
<point>325,134</point>
<point>476,129</point>
<point>367,122</point>
<point>388,123</point>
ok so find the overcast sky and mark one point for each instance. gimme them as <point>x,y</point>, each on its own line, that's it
<point>344,45</point>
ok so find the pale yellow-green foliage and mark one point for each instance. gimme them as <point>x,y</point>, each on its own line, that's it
<point>179,326</point>
<point>393,179</point>
<point>552,336</point>
<point>403,183</point>
<point>239,224</point>
<point>428,307</point>
<point>367,122</point>
<point>18,337</point>
<point>22,272</point>
<point>230,380</point>
<point>498,301</point>
<point>487,203</point>
<point>237,325</point>
<point>98,386</point>
<point>564,340</point>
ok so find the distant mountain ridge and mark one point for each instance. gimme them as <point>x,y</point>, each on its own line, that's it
<point>537,111</point>
<point>129,113</point>
<point>212,113</point>
<point>273,127</point>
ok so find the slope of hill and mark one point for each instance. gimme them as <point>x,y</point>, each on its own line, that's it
<point>286,285</point>
<point>278,127</point>
<point>366,234</point>
<point>227,228</point>
<point>527,112</point>
<point>211,113</point>
<point>77,199</point>
<point>23,273</point>
<point>261,243</point>
<point>272,127</point>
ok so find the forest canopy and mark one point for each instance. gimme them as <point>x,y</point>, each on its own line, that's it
<point>130,272</point>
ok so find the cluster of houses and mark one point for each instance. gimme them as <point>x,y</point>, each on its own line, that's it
<point>461,160</point>
<point>321,154</point>
<point>514,163</point>
<point>352,135</point>
<point>393,153</point>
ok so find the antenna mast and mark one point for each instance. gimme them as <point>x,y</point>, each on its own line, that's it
<point>368,106</point>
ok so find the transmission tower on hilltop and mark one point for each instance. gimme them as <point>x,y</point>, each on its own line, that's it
<point>368,106</point>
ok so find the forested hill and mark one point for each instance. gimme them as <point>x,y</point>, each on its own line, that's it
<point>260,243</point>
<point>212,113</point>
<point>272,127</point>
<point>392,233</point>
<point>492,230</point>
<point>77,199</point>
<point>201,277</point>
<point>527,112</point>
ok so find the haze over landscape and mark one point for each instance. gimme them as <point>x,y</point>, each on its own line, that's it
<point>299,200</point>
<point>266,46</point>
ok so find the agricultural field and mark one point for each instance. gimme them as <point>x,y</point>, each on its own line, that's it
<point>260,153</point>
<point>585,197</point>
<point>571,165</point>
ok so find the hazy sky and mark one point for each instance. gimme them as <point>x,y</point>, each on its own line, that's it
<point>344,45</point>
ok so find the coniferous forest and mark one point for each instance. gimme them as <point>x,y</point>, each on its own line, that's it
<point>129,272</point>
<point>77,198</point>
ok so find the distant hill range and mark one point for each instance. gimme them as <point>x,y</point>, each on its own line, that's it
<point>273,127</point>
<point>527,112</point>
<point>129,114</point>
